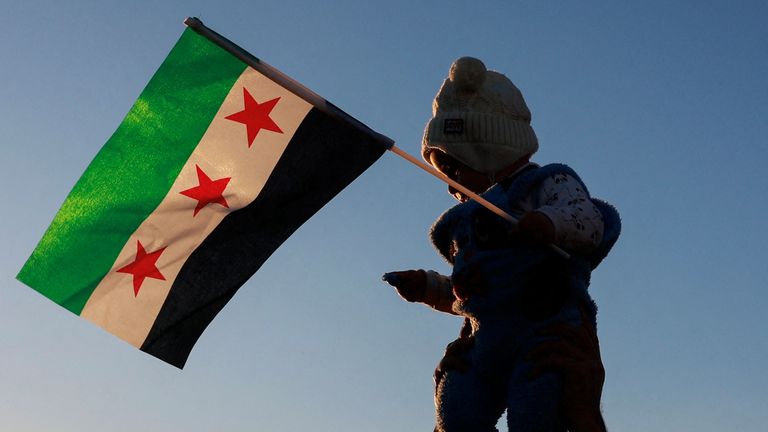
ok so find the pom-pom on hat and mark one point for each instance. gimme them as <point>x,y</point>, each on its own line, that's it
<point>480,118</point>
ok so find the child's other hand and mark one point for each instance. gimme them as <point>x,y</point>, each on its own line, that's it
<point>410,284</point>
<point>454,358</point>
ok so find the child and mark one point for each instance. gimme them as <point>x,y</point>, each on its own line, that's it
<point>506,281</point>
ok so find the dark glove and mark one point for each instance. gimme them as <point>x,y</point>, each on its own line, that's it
<point>410,284</point>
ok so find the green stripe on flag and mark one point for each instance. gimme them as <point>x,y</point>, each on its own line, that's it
<point>133,172</point>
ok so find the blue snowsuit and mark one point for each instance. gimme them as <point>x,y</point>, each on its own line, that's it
<point>524,287</point>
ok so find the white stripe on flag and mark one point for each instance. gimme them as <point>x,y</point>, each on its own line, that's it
<point>222,152</point>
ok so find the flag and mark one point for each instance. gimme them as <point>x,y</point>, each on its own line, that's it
<point>217,163</point>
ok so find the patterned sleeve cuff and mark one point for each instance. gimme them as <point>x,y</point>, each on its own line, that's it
<point>439,292</point>
<point>575,230</point>
<point>578,223</point>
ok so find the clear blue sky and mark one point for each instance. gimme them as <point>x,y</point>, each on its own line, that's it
<point>660,106</point>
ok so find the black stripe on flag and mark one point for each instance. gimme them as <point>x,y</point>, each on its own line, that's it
<point>322,158</point>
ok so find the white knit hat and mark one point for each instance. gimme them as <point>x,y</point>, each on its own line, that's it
<point>479,118</point>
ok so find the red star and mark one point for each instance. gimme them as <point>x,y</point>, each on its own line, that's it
<point>208,191</point>
<point>255,116</point>
<point>143,267</point>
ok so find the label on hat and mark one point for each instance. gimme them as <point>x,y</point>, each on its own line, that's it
<point>453,126</point>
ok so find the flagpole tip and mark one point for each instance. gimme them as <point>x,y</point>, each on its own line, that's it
<point>193,22</point>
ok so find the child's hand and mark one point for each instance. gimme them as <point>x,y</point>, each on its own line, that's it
<point>454,358</point>
<point>410,284</point>
<point>537,228</point>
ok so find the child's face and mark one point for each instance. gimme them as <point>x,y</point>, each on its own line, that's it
<point>473,180</point>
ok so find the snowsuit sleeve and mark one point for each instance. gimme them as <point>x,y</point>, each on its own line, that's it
<point>438,293</point>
